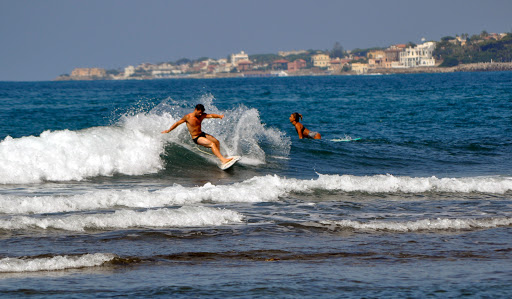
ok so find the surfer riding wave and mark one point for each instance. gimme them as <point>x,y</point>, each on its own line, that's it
<point>193,121</point>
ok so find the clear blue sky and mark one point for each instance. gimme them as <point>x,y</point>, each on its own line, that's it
<point>40,40</point>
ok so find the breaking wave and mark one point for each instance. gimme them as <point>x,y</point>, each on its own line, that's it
<point>13,265</point>
<point>132,146</point>
<point>123,219</point>
<point>421,225</point>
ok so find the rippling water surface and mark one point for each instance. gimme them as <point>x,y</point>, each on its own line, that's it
<point>95,201</point>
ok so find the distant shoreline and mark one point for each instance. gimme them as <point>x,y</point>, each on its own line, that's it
<point>472,67</point>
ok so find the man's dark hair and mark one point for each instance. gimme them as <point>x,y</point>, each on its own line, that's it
<point>200,107</point>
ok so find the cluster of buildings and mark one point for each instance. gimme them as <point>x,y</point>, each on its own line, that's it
<point>394,57</point>
<point>239,64</point>
<point>398,57</point>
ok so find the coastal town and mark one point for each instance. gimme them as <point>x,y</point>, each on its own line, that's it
<point>428,57</point>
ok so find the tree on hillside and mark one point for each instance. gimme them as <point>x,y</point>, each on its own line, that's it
<point>476,50</point>
<point>449,62</point>
<point>264,58</point>
<point>337,51</point>
<point>183,61</point>
<point>114,72</point>
<point>363,52</point>
<point>447,38</point>
<point>411,45</point>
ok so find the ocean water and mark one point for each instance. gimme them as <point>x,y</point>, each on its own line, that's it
<point>96,202</point>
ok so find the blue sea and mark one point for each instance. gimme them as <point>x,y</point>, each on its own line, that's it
<point>96,202</point>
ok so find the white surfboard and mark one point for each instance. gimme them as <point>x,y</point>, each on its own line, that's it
<point>345,139</point>
<point>230,163</point>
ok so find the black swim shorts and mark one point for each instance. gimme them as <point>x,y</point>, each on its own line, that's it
<point>203,134</point>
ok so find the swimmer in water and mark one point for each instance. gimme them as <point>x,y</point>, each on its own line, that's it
<point>301,130</point>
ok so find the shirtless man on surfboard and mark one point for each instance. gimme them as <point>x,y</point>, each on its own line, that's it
<point>193,121</point>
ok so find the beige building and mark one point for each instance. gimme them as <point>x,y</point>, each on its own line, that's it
<point>376,58</point>
<point>393,53</point>
<point>360,68</point>
<point>462,40</point>
<point>337,64</point>
<point>128,71</point>
<point>385,58</point>
<point>321,60</point>
<point>88,73</point>
<point>376,54</point>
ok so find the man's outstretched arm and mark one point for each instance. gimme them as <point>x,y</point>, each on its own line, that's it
<point>211,115</point>
<point>179,122</point>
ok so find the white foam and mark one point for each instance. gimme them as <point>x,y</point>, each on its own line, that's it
<point>392,184</point>
<point>53,263</point>
<point>123,219</point>
<point>256,189</point>
<point>422,225</point>
<point>75,155</point>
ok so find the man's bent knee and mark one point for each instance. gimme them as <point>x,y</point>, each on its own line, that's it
<point>211,138</point>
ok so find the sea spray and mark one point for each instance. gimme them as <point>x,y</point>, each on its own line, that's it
<point>241,131</point>
<point>248,135</point>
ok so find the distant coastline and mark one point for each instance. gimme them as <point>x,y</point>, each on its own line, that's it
<point>478,53</point>
<point>470,67</point>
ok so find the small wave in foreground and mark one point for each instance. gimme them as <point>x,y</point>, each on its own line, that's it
<point>123,219</point>
<point>16,265</point>
<point>421,225</point>
<point>257,189</point>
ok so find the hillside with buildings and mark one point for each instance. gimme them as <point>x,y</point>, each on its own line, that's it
<point>479,52</point>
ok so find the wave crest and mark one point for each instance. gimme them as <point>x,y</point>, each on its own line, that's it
<point>256,189</point>
<point>13,265</point>
<point>421,225</point>
<point>122,219</point>
<point>76,155</point>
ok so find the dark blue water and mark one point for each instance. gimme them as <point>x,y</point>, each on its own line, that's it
<point>95,201</point>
